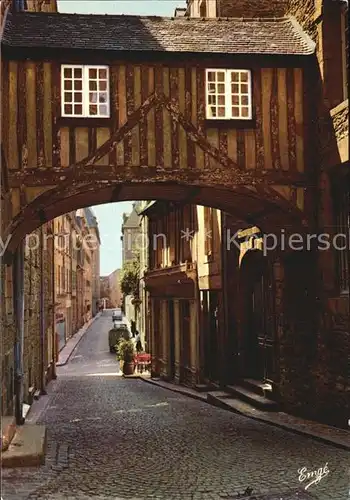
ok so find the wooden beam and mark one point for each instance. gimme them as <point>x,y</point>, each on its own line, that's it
<point>116,192</point>
<point>119,134</point>
<point>41,176</point>
<point>42,216</point>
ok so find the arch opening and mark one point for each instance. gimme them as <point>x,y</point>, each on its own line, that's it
<point>247,204</point>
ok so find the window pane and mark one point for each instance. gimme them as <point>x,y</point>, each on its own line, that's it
<point>212,111</point>
<point>235,88</point>
<point>78,109</point>
<point>102,73</point>
<point>235,99</point>
<point>212,99</point>
<point>234,77</point>
<point>78,84</point>
<point>92,109</point>
<point>68,72</point>
<point>212,87</point>
<point>244,77</point>
<point>103,110</point>
<point>211,76</point>
<point>221,76</point>
<point>68,84</point>
<point>68,97</point>
<point>92,73</point>
<point>221,88</point>
<point>78,73</point>
<point>235,111</point>
<point>93,85</point>
<point>67,109</point>
<point>102,85</point>
<point>78,97</point>
<point>245,111</point>
<point>93,97</point>
<point>103,97</point>
<point>221,100</point>
<point>244,88</point>
<point>221,111</point>
<point>244,99</point>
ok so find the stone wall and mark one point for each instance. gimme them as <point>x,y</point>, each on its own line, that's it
<point>7,330</point>
<point>33,364</point>
<point>314,352</point>
<point>340,116</point>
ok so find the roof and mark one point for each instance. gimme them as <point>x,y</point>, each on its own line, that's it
<point>118,33</point>
<point>90,217</point>
<point>91,221</point>
<point>132,221</point>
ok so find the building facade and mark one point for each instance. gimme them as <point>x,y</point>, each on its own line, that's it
<point>115,293</point>
<point>252,315</point>
<point>184,283</point>
<point>131,234</point>
<point>36,337</point>
<point>131,248</point>
<point>95,263</point>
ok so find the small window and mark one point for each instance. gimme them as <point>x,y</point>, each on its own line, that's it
<point>85,91</point>
<point>228,94</point>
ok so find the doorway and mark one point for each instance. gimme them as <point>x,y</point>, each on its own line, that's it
<point>210,317</point>
<point>257,326</point>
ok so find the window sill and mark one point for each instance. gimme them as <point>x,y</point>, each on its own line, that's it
<point>84,122</point>
<point>231,123</point>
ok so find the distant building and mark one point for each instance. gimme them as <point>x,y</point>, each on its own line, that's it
<point>115,293</point>
<point>110,294</point>
<point>95,262</point>
<point>131,234</point>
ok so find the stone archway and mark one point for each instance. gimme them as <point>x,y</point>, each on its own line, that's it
<point>271,213</point>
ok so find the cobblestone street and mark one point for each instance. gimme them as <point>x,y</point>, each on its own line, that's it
<point>112,438</point>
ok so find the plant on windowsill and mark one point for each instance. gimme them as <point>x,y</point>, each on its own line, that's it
<point>126,355</point>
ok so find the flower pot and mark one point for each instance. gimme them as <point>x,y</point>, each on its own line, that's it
<point>121,363</point>
<point>128,367</point>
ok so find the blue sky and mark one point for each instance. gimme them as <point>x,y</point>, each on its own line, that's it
<point>135,7</point>
<point>110,216</point>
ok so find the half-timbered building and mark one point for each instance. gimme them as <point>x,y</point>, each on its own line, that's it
<point>214,112</point>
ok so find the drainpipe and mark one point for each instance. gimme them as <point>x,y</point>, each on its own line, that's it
<point>53,372</point>
<point>18,289</point>
<point>42,315</point>
<point>225,323</point>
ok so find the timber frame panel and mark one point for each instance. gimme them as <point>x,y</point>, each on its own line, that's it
<point>158,144</point>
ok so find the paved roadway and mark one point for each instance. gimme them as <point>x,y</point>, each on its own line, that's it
<point>112,438</point>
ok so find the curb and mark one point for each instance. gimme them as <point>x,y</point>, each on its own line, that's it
<point>175,389</point>
<point>342,446</point>
<point>81,332</point>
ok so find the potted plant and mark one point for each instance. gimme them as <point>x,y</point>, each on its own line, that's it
<point>126,354</point>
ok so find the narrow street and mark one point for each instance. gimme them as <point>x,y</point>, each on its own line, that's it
<point>109,437</point>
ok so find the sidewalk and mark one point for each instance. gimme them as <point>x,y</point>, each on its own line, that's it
<point>72,343</point>
<point>339,438</point>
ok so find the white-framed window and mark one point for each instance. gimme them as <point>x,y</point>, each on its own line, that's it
<point>228,94</point>
<point>85,91</point>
